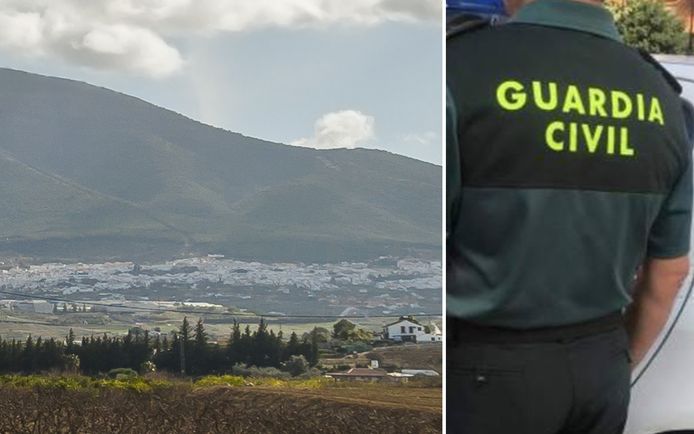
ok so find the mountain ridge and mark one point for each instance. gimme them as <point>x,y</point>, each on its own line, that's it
<point>202,123</point>
<point>79,161</point>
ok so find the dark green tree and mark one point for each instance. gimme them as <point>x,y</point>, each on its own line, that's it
<point>70,342</point>
<point>343,328</point>
<point>313,355</point>
<point>296,365</point>
<point>28,356</point>
<point>322,335</point>
<point>293,346</point>
<point>649,25</point>
<point>185,331</point>
<point>182,346</point>
<point>200,337</point>
<point>233,354</point>
<point>200,355</point>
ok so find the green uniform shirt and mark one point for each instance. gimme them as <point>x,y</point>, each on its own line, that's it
<point>568,164</point>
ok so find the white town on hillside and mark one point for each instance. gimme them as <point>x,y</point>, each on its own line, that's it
<point>383,286</point>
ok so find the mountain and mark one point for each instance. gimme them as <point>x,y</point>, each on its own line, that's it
<point>89,173</point>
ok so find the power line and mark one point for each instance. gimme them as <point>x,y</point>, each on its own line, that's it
<point>198,312</point>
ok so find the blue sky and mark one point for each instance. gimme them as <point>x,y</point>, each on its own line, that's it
<point>319,73</point>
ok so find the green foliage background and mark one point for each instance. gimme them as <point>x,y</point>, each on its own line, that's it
<point>649,25</point>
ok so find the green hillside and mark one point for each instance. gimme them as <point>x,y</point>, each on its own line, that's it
<point>88,173</point>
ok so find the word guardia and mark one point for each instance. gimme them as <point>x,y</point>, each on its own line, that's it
<point>590,137</point>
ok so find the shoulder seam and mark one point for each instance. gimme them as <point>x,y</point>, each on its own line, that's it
<point>669,78</point>
<point>468,26</point>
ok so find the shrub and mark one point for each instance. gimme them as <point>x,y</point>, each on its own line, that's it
<point>296,365</point>
<point>256,372</point>
<point>221,380</point>
<point>649,25</point>
<point>148,367</point>
<point>122,373</point>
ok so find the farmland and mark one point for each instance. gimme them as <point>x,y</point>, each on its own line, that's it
<point>215,405</point>
<point>408,356</point>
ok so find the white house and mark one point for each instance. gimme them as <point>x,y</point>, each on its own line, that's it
<point>408,329</point>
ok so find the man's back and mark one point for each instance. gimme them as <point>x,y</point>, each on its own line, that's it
<point>569,147</point>
<point>568,168</point>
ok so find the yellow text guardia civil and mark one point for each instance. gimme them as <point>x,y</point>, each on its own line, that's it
<point>593,136</point>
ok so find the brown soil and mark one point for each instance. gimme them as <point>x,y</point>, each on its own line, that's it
<point>379,395</point>
<point>413,356</point>
<point>408,356</point>
<point>359,408</point>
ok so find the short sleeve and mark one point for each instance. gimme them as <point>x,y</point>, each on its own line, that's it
<point>671,232</point>
<point>453,173</point>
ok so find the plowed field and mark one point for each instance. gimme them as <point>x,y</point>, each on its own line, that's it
<point>352,409</point>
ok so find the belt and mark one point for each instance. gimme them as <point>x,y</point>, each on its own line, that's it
<point>463,331</point>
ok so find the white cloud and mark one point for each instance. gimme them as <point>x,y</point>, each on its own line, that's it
<point>342,129</point>
<point>78,35</point>
<point>133,49</point>
<point>237,15</point>
<point>424,139</point>
<point>20,30</point>
<point>132,35</point>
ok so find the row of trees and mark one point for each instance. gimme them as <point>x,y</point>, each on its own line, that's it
<point>188,351</point>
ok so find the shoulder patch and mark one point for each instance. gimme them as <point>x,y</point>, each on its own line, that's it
<point>672,81</point>
<point>464,24</point>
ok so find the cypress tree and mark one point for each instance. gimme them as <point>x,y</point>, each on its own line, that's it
<point>200,355</point>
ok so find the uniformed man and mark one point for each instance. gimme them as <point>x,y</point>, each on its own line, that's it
<point>568,175</point>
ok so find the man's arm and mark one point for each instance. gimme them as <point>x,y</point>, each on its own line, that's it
<point>654,295</point>
<point>667,263</point>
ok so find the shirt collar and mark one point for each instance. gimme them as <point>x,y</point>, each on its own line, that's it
<point>569,14</point>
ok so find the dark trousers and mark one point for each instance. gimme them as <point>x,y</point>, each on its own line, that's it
<point>560,385</point>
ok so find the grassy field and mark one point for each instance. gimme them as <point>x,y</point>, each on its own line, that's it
<point>20,325</point>
<point>38,404</point>
<point>14,325</point>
